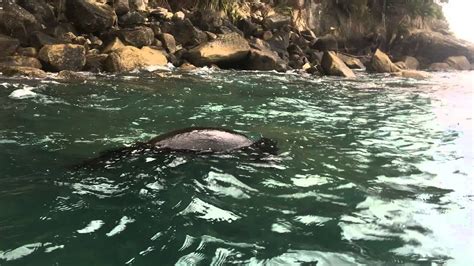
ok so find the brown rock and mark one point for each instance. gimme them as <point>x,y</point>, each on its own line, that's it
<point>63,56</point>
<point>226,49</point>
<point>95,62</point>
<point>276,21</point>
<point>169,42</point>
<point>187,66</point>
<point>20,61</point>
<point>381,63</point>
<point>458,62</point>
<point>113,45</point>
<point>23,71</point>
<point>130,58</point>
<point>333,65</point>
<point>121,7</point>
<point>267,35</point>
<point>71,76</point>
<point>8,45</point>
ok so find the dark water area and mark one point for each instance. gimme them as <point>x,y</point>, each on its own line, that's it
<point>377,170</point>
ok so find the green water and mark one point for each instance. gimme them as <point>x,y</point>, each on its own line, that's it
<point>373,171</point>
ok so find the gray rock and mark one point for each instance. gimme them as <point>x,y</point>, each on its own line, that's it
<point>95,62</point>
<point>8,45</point>
<point>184,32</point>
<point>351,62</point>
<point>121,7</point>
<point>133,18</point>
<point>261,57</point>
<point>458,62</point>
<point>440,67</point>
<point>27,51</point>
<point>39,39</point>
<point>276,21</point>
<point>43,12</point>
<point>381,63</point>
<point>138,36</point>
<point>169,42</point>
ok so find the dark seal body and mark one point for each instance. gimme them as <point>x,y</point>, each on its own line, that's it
<point>197,140</point>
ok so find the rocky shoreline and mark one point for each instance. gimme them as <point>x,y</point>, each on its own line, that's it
<point>68,36</point>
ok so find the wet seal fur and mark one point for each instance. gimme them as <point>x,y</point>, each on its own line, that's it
<point>195,140</point>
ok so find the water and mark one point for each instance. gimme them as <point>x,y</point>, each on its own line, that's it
<point>373,171</point>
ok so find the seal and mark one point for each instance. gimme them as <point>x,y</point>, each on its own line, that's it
<point>196,140</point>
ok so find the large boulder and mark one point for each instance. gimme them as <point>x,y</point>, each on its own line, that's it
<point>458,62</point>
<point>130,58</point>
<point>184,32</point>
<point>381,63</point>
<point>121,7</point>
<point>168,42</point>
<point>17,21</point>
<point>59,57</point>
<point>95,62</point>
<point>8,45</point>
<point>410,62</point>
<point>261,57</point>
<point>327,42</point>
<point>224,51</point>
<point>276,21</point>
<point>20,61</point>
<point>42,11</point>
<point>138,37</point>
<point>430,47</point>
<point>90,16</point>
<point>23,71</point>
<point>334,66</point>
<point>113,45</point>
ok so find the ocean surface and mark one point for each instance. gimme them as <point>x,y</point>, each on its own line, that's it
<point>372,171</point>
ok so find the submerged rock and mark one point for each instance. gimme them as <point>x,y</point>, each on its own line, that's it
<point>381,63</point>
<point>23,71</point>
<point>226,50</point>
<point>333,65</point>
<point>415,74</point>
<point>440,67</point>
<point>130,58</point>
<point>63,56</point>
<point>408,62</point>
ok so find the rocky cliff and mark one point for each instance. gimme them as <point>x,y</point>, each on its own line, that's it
<point>123,35</point>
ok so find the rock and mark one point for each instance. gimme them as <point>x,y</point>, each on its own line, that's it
<point>430,46</point>
<point>458,62</point>
<point>133,18</point>
<point>276,21</point>
<point>138,36</point>
<point>161,13</point>
<point>71,76</point>
<point>27,51</point>
<point>139,5</point>
<point>267,35</point>
<point>187,66</point>
<point>113,45</point>
<point>440,67</point>
<point>227,49</point>
<point>63,56</point>
<point>333,65</point>
<point>401,65</point>
<point>169,42</point>
<point>185,33</point>
<point>8,45</point>
<point>121,7</point>
<point>23,71</point>
<point>280,42</point>
<point>179,15</point>
<point>17,21</point>
<point>39,39</point>
<point>261,57</point>
<point>327,42</point>
<point>20,61</point>
<point>62,29</point>
<point>415,74</point>
<point>381,63</point>
<point>130,58</point>
<point>351,62</point>
<point>410,62</point>
<point>247,26</point>
<point>95,62</point>
<point>90,16</point>
<point>43,12</point>
<point>211,36</point>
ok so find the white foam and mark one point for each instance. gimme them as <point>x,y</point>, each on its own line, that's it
<point>23,93</point>
<point>91,227</point>
<point>121,226</point>
<point>19,252</point>
<point>209,212</point>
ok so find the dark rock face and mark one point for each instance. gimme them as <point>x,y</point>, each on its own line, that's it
<point>43,12</point>
<point>95,62</point>
<point>17,21</point>
<point>326,43</point>
<point>333,65</point>
<point>133,18</point>
<point>121,7</point>
<point>226,50</point>
<point>433,47</point>
<point>261,57</point>
<point>185,33</point>
<point>138,37</point>
<point>8,45</point>
<point>63,56</point>
<point>90,16</point>
<point>168,42</point>
<point>39,39</point>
